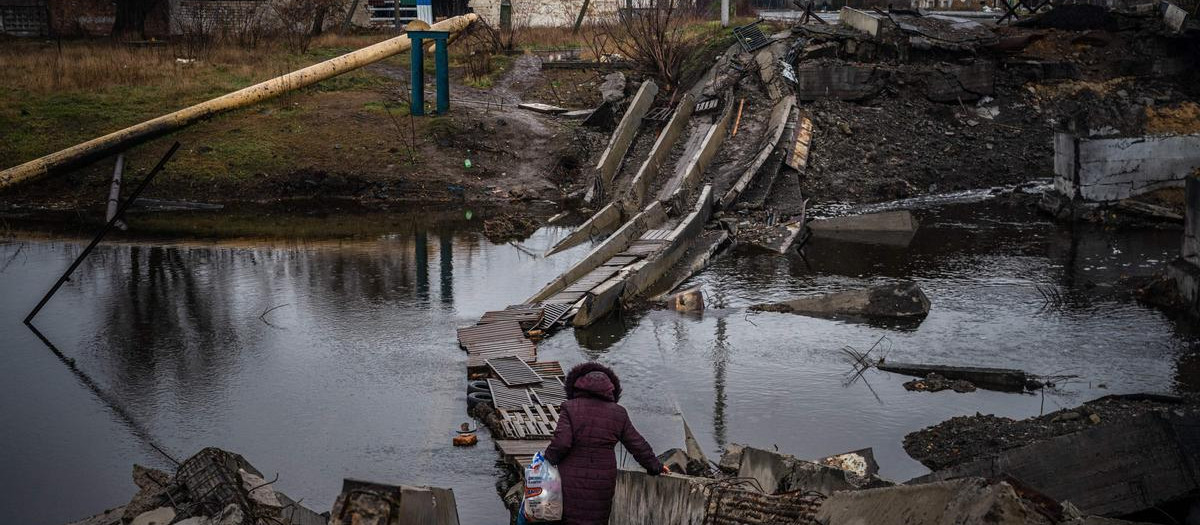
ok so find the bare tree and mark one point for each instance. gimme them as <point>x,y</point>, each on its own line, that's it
<point>653,37</point>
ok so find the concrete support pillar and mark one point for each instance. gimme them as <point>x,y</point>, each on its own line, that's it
<point>417,67</point>
<point>442,60</point>
<point>1191,234</point>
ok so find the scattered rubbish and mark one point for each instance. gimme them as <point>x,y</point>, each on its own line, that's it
<point>905,300</point>
<point>858,462</point>
<point>1001,379</point>
<point>466,436</point>
<point>707,105</point>
<point>750,37</point>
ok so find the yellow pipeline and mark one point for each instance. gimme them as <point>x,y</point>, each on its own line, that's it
<point>123,139</point>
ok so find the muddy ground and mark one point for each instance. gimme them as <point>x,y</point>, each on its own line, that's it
<point>361,146</point>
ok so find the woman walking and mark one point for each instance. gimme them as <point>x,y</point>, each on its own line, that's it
<point>590,424</point>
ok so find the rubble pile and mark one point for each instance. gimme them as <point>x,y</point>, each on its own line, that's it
<point>904,104</point>
<point>213,487</point>
<point>965,438</point>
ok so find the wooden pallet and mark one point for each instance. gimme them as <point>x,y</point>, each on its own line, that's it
<point>530,422</point>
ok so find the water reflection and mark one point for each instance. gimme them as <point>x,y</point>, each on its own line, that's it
<point>318,360</point>
<point>335,357</point>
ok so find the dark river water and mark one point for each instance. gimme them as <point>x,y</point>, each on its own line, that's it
<point>356,373</point>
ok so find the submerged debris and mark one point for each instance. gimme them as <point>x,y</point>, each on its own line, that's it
<point>905,300</point>
<point>509,227</point>
<point>936,383</point>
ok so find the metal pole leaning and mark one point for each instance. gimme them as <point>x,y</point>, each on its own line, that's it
<point>66,276</point>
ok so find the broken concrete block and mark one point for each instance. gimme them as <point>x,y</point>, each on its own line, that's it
<point>1191,220</point>
<point>731,460</point>
<point>961,84</point>
<point>1174,17</point>
<point>230,515</point>
<point>159,516</point>
<point>1107,467</point>
<point>777,473</point>
<point>1113,169</point>
<point>971,500</point>
<point>905,300</point>
<point>613,88</point>
<point>860,20</point>
<point>642,498</point>
<point>365,502</point>
<point>152,491</point>
<point>542,108</point>
<point>895,228</point>
<point>842,82</point>
<point>259,490</point>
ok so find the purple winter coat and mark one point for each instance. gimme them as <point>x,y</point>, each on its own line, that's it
<point>590,425</point>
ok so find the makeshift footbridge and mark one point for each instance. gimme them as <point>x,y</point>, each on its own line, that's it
<point>655,236</point>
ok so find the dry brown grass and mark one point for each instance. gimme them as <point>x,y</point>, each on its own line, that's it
<point>89,66</point>
<point>93,66</point>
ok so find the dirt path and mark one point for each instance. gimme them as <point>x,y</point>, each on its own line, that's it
<point>519,153</point>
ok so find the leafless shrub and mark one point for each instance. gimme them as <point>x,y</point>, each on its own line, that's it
<point>597,41</point>
<point>655,38</point>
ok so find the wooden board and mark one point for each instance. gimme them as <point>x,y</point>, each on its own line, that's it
<point>798,160</point>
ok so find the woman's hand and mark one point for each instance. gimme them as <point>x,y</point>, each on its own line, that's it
<point>666,469</point>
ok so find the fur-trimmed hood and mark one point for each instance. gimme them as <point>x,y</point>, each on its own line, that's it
<point>584,369</point>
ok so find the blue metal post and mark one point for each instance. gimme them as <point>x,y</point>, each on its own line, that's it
<point>442,60</point>
<point>417,106</point>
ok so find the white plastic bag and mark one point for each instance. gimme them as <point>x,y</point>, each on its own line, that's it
<point>543,491</point>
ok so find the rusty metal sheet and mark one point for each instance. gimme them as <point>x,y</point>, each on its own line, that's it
<point>513,371</point>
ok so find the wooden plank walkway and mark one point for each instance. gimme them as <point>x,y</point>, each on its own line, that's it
<point>493,340</point>
<point>521,451</point>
